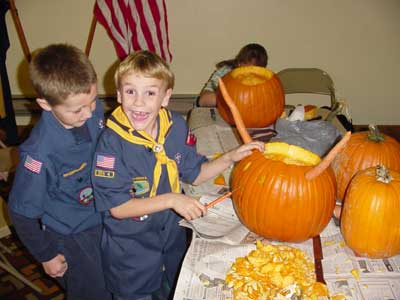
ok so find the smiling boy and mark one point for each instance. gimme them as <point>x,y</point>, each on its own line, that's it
<point>139,162</point>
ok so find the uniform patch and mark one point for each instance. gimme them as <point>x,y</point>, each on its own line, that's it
<point>33,164</point>
<point>140,185</point>
<point>85,196</point>
<point>191,138</point>
<point>105,161</point>
<point>104,173</point>
<point>101,124</point>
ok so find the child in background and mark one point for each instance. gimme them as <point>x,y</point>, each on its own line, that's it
<point>249,55</point>
<point>140,159</point>
<point>51,202</point>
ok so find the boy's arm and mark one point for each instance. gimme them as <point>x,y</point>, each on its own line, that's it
<point>215,167</point>
<point>44,249</point>
<point>34,238</point>
<point>187,207</point>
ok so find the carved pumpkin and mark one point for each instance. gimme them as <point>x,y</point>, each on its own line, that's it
<point>274,199</point>
<point>365,149</point>
<point>370,221</point>
<point>258,95</point>
<point>285,193</point>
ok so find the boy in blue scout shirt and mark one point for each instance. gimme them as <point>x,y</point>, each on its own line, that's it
<point>140,159</point>
<point>51,202</point>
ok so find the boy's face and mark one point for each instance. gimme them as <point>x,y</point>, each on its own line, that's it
<point>75,110</point>
<point>141,98</point>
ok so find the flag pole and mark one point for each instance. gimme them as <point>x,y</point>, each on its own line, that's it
<point>91,35</point>
<point>20,30</point>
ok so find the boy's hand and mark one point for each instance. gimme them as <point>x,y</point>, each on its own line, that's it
<point>188,207</point>
<point>245,150</point>
<point>56,267</point>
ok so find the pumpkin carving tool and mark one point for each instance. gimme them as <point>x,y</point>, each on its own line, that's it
<point>220,199</point>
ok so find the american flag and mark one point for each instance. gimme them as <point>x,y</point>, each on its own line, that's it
<point>135,25</point>
<point>33,164</point>
<point>106,162</point>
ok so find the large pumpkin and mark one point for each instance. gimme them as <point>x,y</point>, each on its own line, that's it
<point>370,221</point>
<point>285,193</point>
<point>258,94</point>
<point>275,200</point>
<point>365,149</point>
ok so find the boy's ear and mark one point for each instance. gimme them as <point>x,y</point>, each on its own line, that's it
<point>119,97</point>
<point>167,96</point>
<point>43,104</point>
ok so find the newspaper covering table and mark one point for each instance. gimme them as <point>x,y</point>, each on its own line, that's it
<point>347,276</point>
<point>220,237</point>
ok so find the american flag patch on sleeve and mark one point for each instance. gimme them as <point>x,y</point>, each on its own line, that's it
<point>32,164</point>
<point>106,162</point>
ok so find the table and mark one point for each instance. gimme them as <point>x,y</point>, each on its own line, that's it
<point>347,276</point>
<point>207,260</point>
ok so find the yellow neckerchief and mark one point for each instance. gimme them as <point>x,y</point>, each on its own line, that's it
<point>121,125</point>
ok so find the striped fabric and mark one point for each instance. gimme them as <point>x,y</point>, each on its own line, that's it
<point>135,25</point>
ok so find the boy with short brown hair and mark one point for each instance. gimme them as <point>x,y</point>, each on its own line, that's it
<point>51,202</point>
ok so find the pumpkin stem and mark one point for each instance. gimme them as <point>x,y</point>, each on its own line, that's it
<point>235,113</point>
<point>374,134</point>
<point>382,174</point>
<point>318,169</point>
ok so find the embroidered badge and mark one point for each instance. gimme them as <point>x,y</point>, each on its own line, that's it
<point>140,186</point>
<point>105,161</point>
<point>178,158</point>
<point>104,173</point>
<point>191,138</point>
<point>33,164</point>
<point>85,196</point>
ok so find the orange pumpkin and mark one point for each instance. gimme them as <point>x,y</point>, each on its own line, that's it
<point>258,95</point>
<point>370,221</point>
<point>274,199</point>
<point>285,193</point>
<point>365,149</point>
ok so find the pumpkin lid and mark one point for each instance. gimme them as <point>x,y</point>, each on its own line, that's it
<point>291,154</point>
<point>251,75</point>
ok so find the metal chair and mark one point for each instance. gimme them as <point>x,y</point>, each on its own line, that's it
<point>309,81</point>
<point>316,81</point>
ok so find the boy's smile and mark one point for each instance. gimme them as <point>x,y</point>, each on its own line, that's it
<point>142,98</point>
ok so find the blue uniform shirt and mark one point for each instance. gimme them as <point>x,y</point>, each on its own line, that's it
<point>52,182</point>
<point>136,250</point>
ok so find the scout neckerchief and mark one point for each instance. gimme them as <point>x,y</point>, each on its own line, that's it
<point>121,125</point>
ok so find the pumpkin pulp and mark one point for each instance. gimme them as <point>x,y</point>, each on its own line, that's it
<point>291,154</point>
<point>251,75</point>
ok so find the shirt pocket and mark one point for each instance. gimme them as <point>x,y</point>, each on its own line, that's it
<point>75,184</point>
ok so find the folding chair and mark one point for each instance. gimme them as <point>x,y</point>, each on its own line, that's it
<point>315,81</point>
<point>309,81</point>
